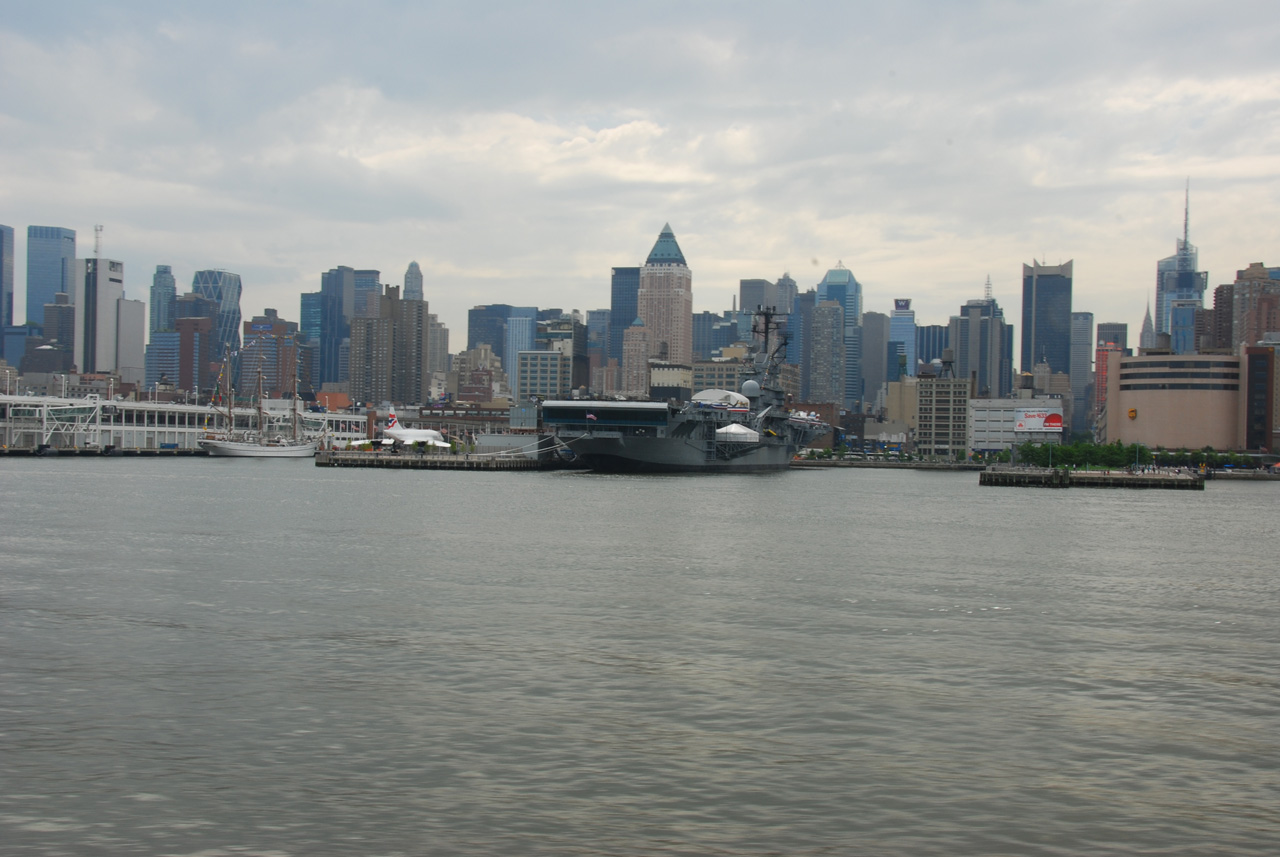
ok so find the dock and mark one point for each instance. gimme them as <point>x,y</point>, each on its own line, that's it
<point>414,461</point>
<point>1044,477</point>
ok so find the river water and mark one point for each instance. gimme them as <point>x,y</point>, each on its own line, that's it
<point>230,657</point>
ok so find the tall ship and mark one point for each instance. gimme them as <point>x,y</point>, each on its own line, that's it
<point>743,431</point>
<point>264,442</point>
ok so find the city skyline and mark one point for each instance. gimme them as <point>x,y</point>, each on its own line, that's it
<point>771,144</point>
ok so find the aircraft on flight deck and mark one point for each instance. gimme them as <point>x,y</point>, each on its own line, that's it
<point>395,432</point>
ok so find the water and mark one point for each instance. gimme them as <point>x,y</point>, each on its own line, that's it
<point>218,657</point>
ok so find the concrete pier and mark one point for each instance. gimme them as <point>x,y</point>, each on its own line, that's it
<point>413,461</point>
<point>1043,477</point>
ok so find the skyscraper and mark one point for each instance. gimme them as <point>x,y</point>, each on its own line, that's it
<point>826,353</point>
<point>1177,278</point>
<point>6,275</point>
<point>1082,348</point>
<point>1046,316</point>
<point>624,287</point>
<point>51,262</point>
<point>875,343</point>
<point>1147,338</point>
<point>164,291</point>
<point>839,285</point>
<point>99,286</point>
<point>902,328</point>
<point>413,283</point>
<point>982,346</point>
<point>665,301</point>
<point>224,288</point>
<point>367,285</point>
<point>1113,333</point>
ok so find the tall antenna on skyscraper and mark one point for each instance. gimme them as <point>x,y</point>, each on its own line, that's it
<point>986,293</point>
<point>1186,215</point>
<point>97,240</point>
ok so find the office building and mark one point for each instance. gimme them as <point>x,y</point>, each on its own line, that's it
<point>542,375</point>
<point>389,352</point>
<point>1175,402</point>
<point>635,360</point>
<point>664,301</point>
<point>826,354</point>
<point>981,342</point>
<point>1243,311</point>
<point>1147,337</point>
<point>1046,316</point>
<point>942,417</point>
<point>875,344</point>
<point>413,283</point>
<point>438,345</point>
<point>51,267</point>
<point>270,347</point>
<point>902,328</point>
<point>487,325</point>
<point>223,288</point>
<point>624,290</point>
<point>1113,333</point>
<point>1177,278</point>
<point>6,275</point>
<point>99,287</point>
<point>164,292</point>
<point>999,425</point>
<point>1081,370</point>
<point>931,341</point>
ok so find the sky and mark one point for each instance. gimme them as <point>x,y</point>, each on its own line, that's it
<point>518,151</point>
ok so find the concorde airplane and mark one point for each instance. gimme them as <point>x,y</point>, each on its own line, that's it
<point>394,432</point>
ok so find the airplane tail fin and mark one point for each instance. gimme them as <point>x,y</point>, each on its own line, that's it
<point>391,419</point>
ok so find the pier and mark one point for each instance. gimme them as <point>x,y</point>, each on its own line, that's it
<point>414,461</point>
<point>1043,477</point>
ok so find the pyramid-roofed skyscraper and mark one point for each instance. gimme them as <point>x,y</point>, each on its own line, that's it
<point>665,301</point>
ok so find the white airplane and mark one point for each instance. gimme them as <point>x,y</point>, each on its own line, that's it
<point>395,432</point>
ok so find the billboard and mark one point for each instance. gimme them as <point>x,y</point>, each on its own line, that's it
<point>1041,419</point>
<point>902,304</point>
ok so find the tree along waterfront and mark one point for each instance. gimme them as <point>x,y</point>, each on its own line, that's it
<point>1118,455</point>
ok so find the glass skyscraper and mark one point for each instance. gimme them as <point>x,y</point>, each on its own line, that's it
<point>222,287</point>
<point>164,291</point>
<point>51,261</point>
<point>624,289</point>
<point>6,275</point>
<point>1046,316</point>
<point>902,328</point>
<point>413,282</point>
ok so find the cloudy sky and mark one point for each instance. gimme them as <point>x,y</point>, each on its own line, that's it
<point>518,151</point>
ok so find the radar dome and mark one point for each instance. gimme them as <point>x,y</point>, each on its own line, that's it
<point>751,389</point>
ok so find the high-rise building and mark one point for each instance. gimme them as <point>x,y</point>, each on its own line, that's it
<point>487,325</point>
<point>1147,338</point>
<point>224,288</point>
<point>875,342</point>
<point>826,354</point>
<point>635,360</point>
<point>1046,316</point>
<point>519,336</point>
<point>164,291</point>
<point>270,347</point>
<point>6,275</point>
<point>931,341</point>
<point>99,286</point>
<point>390,352</point>
<point>902,328</point>
<point>413,283</point>
<point>982,348</point>
<point>51,267</point>
<point>1177,278</point>
<point>1183,315</point>
<point>1082,348</point>
<point>367,289</point>
<point>60,322</point>
<point>1113,333</point>
<point>624,290</point>
<point>841,286</point>
<point>437,345</point>
<point>1242,310</point>
<point>665,301</point>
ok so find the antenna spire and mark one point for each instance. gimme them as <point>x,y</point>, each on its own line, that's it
<point>987,291</point>
<point>97,240</point>
<point>1186,215</point>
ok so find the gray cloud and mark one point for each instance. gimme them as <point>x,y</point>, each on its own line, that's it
<point>518,151</point>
